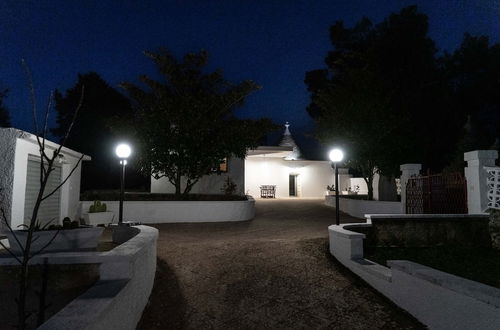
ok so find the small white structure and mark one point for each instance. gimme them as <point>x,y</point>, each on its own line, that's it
<point>280,166</point>
<point>19,179</point>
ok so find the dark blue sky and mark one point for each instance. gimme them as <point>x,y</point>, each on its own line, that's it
<point>271,42</point>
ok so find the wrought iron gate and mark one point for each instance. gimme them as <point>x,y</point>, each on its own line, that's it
<point>437,194</point>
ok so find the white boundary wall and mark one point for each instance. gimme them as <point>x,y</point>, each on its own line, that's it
<point>118,299</point>
<point>437,299</point>
<point>359,208</point>
<point>180,211</point>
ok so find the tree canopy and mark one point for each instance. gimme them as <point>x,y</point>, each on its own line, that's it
<point>185,124</point>
<point>4,113</point>
<point>93,132</point>
<point>385,96</point>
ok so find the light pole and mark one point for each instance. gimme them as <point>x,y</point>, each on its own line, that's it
<point>123,151</point>
<point>336,155</point>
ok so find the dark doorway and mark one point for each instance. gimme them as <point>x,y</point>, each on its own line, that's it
<point>292,185</point>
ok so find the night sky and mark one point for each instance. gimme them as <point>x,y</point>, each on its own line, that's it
<point>271,42</point>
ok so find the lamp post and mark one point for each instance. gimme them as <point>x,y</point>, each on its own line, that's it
<point>336,155</point>
<point>123,151</point>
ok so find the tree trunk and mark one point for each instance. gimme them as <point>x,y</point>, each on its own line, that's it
<point>178,184</point>
<point>369,184</point>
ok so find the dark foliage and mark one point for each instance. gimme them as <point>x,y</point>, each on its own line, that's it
<point>97,131</point>
<point>185,124</point>
<point>4,112</point>
<point>388,99</point>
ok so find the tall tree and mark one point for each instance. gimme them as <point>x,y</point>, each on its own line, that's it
<point>4,113</point>
<point>474,72</point>
<point>383,96</point>
<point>93,133</point>
<point>185,124</point>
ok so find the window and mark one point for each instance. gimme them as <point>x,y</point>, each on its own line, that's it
<point>222,168</point>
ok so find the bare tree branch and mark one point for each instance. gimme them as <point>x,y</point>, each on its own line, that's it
<point>70,127</point>
<point>11,253</point>
<point>4,217</point>
<point>64,181</point>
<point>46,245</point>
<point>32,94</point>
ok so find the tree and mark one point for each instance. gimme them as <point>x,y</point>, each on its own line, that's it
<point>97,128</point>
<point>185,124</point>
<point>383,95</point>
<point>48,158</point>
<point>4,113</point>
<point>474,72</point>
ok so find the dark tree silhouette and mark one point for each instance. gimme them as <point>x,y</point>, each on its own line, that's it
<point>185,124</point>
<point>474,72</point>
<point>4,113</point>
<point>383,96</point>
<point>97,130</point>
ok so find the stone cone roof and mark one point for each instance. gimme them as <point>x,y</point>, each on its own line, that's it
<point>287,141</point>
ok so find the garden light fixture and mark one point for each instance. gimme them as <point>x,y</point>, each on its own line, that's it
<point>123,151</point>
<point>336,155</point>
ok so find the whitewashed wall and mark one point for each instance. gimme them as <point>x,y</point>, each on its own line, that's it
<point>209,184</point>
<point>312,179</point>
<point>23,144</point>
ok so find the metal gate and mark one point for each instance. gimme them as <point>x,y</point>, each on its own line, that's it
<point>437,194</point>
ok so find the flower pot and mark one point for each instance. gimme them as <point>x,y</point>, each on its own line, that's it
<point>76,239</point>
<point>98,218</point>
<point>330,193</point>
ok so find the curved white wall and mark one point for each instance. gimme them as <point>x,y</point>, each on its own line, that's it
<point>181,211</point>
<point>358,208</point>
<point>118,299</point>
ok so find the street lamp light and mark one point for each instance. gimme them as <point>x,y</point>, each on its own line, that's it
<point>336,155</point>
<point>123,151</point>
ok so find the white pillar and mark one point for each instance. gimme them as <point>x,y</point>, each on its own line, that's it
<point>476,178</point>
<point>407,171</point>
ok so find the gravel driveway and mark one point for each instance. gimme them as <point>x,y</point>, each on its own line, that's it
<point>274,272</point>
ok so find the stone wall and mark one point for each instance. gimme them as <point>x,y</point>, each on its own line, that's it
<point>427,230</point>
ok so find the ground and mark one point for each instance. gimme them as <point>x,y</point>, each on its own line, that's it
<point>273,272</point>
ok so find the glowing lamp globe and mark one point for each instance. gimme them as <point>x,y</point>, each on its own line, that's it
<point>123,151</point>
<point>336,155</point>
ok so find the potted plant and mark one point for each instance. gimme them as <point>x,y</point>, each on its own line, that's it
<point>330,190</point>
<point>98,215</point>
<point>353,191</point>
<point>50,238</point>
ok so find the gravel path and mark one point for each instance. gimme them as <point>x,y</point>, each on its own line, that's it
<point>274,272</point>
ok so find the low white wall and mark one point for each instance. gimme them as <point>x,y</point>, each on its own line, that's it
<point>118,299</point>
<point>359,208</point>
<point>180,211</point>
<point>208,184</point>
<point>437,299</point>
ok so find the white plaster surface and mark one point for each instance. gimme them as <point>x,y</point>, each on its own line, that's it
<point>15,147</point>
<point>312,176</point>
<point>208,184</point>
<point>476,176</point>
<point>118,299</point>
<point>439,300</point>
<point>182,211</point>
<point>359,208</point>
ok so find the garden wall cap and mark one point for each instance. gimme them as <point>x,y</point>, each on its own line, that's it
<point>480,154</point>
<point>405,167</point>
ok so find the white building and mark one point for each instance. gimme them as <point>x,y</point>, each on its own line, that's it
<point>19,179</point>
<point>280,166</point>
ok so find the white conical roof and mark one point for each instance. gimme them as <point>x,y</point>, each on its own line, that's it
<point>287,141</point>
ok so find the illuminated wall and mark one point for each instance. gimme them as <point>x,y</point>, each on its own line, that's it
<point>312,176</point>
